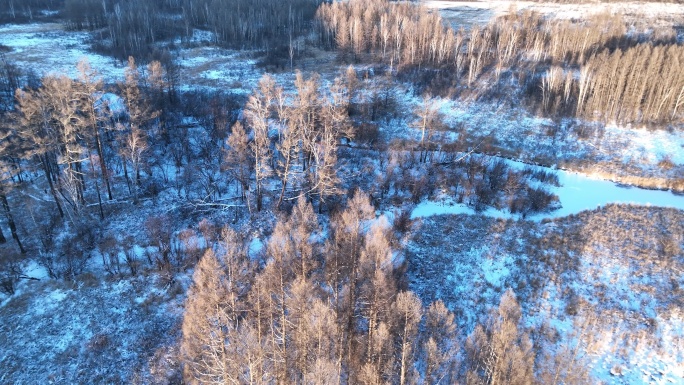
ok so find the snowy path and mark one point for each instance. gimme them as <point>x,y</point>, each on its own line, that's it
<point>577,193</point>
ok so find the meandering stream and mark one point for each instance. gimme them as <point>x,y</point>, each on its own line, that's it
<point>578,192</point>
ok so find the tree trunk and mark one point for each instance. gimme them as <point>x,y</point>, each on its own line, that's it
<point>18,166</point>
<point>103,165</point>
<point>259,197</point>
<point>10,220</point>
<point>97,188</point>
<point>351,307</point>
<point>137,183</point>
<point>80,185</point>
<point>128,181</point>
<point>282,193</point>
<point>2,237</point>
<point>48,175</point>
<point>99,200</point>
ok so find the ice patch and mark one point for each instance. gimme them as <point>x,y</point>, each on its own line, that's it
<point>255,247</point>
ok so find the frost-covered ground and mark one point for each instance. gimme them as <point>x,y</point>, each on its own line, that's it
<point>630,155</point>
<point>90,331</point>
<point>47,48</point>
<point>212,68</point>
<point>604,276</point>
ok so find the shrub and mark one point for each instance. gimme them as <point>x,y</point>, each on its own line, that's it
<point>402,221</point>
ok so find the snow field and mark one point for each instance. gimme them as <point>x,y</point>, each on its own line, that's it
<point>582,279</point>
<point>59,332</point>
<point>632,9</point>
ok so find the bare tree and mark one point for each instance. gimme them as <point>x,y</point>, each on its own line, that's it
<point>376,295</point>
<point>258,112</point>
<point>288,146</point>
<point>8,147</point>
<point>324,179</point>
<point>428,118</point>
<point>440,345</point>
<point>498,352</point>
<point>95,115</point>
<point>133,140</point>
<point>66,121</point>
<point>216,346</point>
<point>136,147</point>
<point>343,264</point>
<point>237,158</point>
<point>35,130</point>
<point>407,315</point>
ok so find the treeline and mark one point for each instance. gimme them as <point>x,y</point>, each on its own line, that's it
<point>251,24</point>
<point>15,11</point>
<point>336,311</point>
<point>130,27</point>
<point>401,34</point>
<point>406,34</point>
<point>618,78</point>
<point>644,84</point>
<point>134,26</point>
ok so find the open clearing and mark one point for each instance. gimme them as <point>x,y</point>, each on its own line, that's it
<point>480,12</point>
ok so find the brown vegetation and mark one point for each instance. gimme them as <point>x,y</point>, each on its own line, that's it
<point>334,313</point>
<point>618,79</point>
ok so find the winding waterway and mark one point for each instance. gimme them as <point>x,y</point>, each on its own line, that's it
<point>577,193</point>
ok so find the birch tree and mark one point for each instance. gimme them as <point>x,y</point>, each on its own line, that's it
<point>257,112</point>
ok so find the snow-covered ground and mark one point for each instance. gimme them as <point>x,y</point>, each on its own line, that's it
<point>467,13</point>
<point>604,267</point>
<point>212,68</point>
<point>57,332</point>
<point>47,48</point>
<point>620,153</point>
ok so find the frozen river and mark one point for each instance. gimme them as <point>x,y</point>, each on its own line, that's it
<point>577,193</point>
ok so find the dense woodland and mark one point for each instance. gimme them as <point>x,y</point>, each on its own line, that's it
<point>562,56</point>
<point>90,149</point>
<point>133,27</point>
<point>410,38</point>
<point>326,301</point>
<point>14,11</point>
<point>335,311</point>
